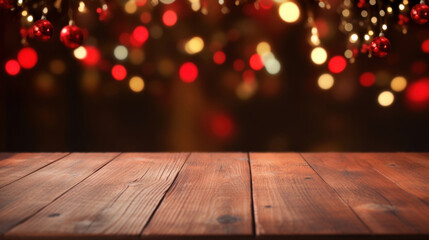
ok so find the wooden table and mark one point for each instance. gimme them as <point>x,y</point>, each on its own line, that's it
<point>214,195</point>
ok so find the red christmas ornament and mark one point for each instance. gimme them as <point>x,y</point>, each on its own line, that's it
<point>71,36</point>
<point>420,13</point>
<point>403,19</point>
<point>380,46</point>
<point>42,30</point>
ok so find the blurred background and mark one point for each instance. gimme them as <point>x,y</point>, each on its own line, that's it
<point>196,75</point>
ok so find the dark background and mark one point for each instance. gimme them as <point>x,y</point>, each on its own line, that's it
<point>42,111</point>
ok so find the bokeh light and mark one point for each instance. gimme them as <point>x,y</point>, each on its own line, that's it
<point>221,125</point>
<point>136,84</point>
<point>326,81</point>
<point>337,64</point>
<point>263,48</point>
<point>418,93</point>
<point>219,57</point>
<point>27,57</point>
<point>80,52</point>
<point>188,72</point>
<point>319,55</point>
<point>194,45</point>
<point>386,98</point>
<point>119,72</point>
<point>169,18</point>
<point>92,56</point>
<point>367,79</point>
<point>398,84</point>
<point>425,46</point>
<point>255,62</point>
<point>120,52</point>
<point>140,34</point>
<point>289,12</point>
<point>12,67</point>
<point>238,65</point>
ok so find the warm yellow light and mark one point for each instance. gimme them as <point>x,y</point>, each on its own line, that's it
<point>325,81</point>
<point>263,48</point>
<point>319,55</point>
<point>289,12</point>
<point>130,7</point>
<point>194,45</point>
<point>136,84</point>
<point>80,53</point>
<point>354,37</point>
<point>398,84</point>
<point>386,98</point>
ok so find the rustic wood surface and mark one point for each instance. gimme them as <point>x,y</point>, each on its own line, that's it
<point>214,195</point>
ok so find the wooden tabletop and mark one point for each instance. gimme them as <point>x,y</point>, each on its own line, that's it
<point>214,195</point>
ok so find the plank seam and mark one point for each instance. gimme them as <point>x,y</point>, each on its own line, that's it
<point>56,160</point>
<point>252,202</point>
<point>339,196</point>
<point>62,194</point>
<point>163,196</point>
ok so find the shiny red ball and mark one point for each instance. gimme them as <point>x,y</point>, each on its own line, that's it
<point>380,46</point>
<point>420,13</point>
<point>42,30</point>
<point>71,36</point>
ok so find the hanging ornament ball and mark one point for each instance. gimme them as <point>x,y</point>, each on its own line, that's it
<point>71,36</point>
<point>42,30</point>
<point>420,13</point>
<point>380,46</point>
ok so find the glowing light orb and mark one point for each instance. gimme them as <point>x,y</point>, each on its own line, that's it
<point>92,56</point>
<point>319,55</point>
<point>337,64</point>
<point>12,67</point>
<point>219,57</point>
<point>120,52</point>
<point>326,81</point>
<point>140,34</point>
<point>119,72</point>
<point>386,98</point>
<point>398,84</point>
<point>80,52</point>
<point>289,12</point>
<point>136,84</point>
<point>169,18</point>
<point>255,62</point>
<point>425,46</point>
<point>27,57</point>
<point>367,79</point>
<point>194,45</point>
<point>188,72</point>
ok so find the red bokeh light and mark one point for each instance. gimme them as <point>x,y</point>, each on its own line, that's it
<point>367,79</point>
<point>140,3</point>
<point>425,46</point>
<point>140,34</point>
<point>418,67</point>
<point>12,67</point>
<point>255,62</point>
<point>169,18</point>
<point>417,94</point>
<point>124,38</point>
<point>119,72</point>
<point>188,72</point>
<point>219,57</point>
<point>266,4</point>
<point>221,125</point>
<point>249,76</point>
<point>145,17</point>
<point>337,64</point>
<point>92,56</point>
<point>238,65</point>
<point>27,57</point>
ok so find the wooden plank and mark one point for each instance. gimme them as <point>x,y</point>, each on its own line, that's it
<point>14,166</point>
<point>409,172</point>
<point>211,198</point>
<point>115,201</point>
<point>291,200</point>
<point>383,206</point>
<point>23,198</point>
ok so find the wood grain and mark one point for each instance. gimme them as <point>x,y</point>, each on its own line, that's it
<point>14,166</point>
<point>211,198</point>
<point>290,199</point>
<point>115,201</point>
<point>408,171</point>
<point>383,206</point>
<point>25,197</point>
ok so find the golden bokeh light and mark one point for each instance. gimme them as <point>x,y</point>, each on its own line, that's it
<point>289,12</point>
<point>136,84</point>
<point>194,45</point>
<point>263,48</point>
<point>326,81</point>
<point>80,53</point>
<point>319,55</point>
<point>398,84</point>
<point>386,98</point>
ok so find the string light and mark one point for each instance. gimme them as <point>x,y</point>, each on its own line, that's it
<point>386,98</point>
